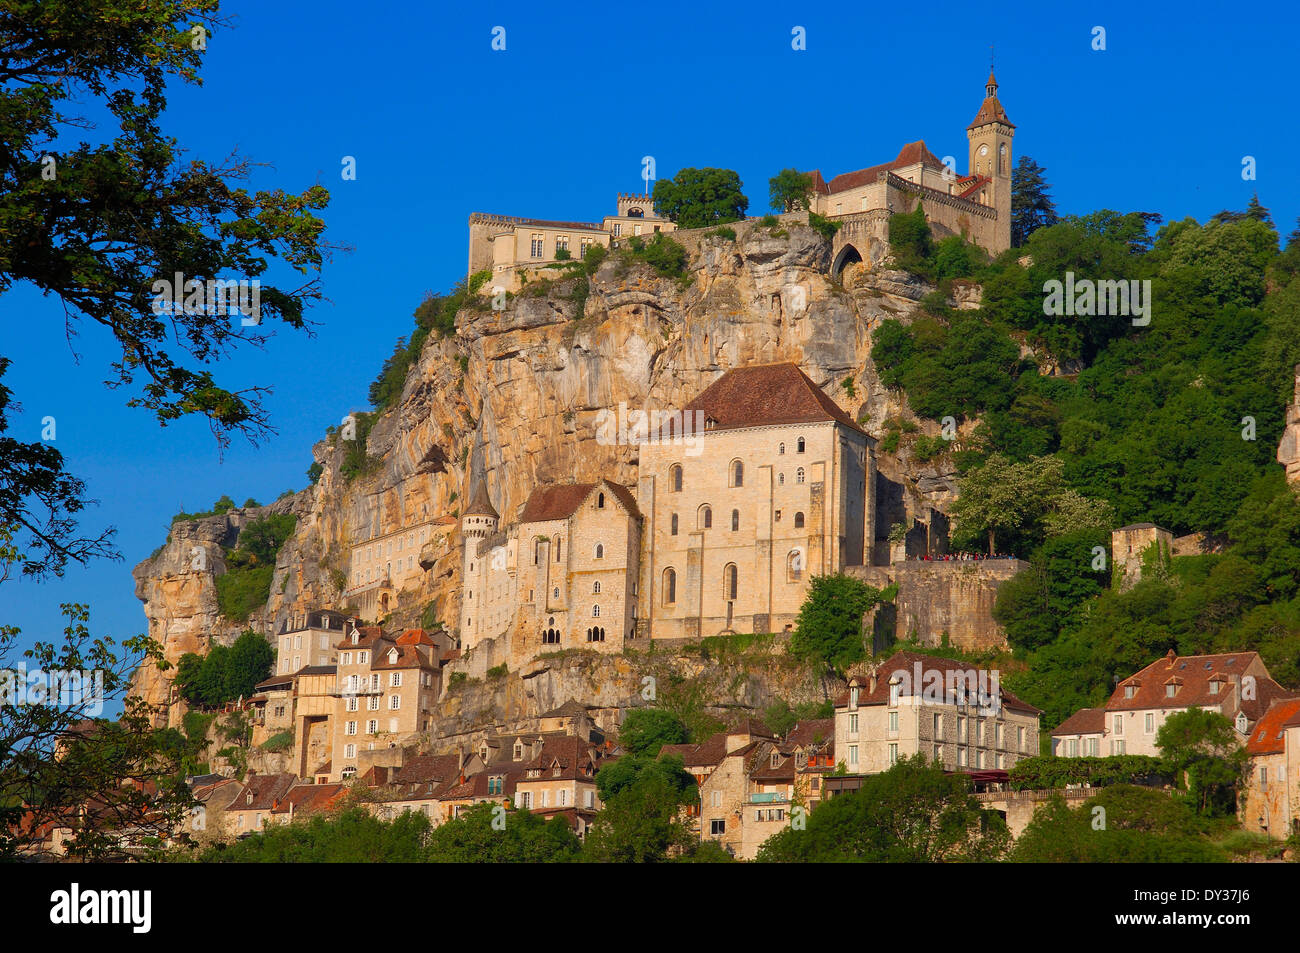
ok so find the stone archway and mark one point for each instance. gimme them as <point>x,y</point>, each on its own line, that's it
<point>845,257</point>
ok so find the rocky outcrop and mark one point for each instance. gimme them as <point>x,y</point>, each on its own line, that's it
<point>513,397</point>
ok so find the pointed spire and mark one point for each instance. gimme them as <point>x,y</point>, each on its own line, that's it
<point>479,504</point>
<point>991,110</point>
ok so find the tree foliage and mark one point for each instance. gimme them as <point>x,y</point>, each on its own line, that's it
<point>790,189</point>
<point>829,627</point>
<point>1032,207</point>
<point>701,198</point>
<point>913,813</point>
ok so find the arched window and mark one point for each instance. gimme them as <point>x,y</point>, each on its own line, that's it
<point>555,593</point>
<point>780,479</point>
<point>559,544</point>
<point>799,447</point>
<point>737,473</point>
<point>600,550</point>
<point>781,449</point>
<point>673,530</point>
<point>730,581</point>
<point>798,520</point>
<point>794,565</point>
<point>670,587</point>
<point>735,520</point>
<point>595,612</point>
<point>600,501</point>
<point>798,475</point>
<point>537,551</point>
<point>675,477</point>
<point>1002,158</point>
<point>551,637</point>
<point>706,517</point>
<point>595,586</point>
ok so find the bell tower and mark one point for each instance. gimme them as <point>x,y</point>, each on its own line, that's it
<point>990,134</point>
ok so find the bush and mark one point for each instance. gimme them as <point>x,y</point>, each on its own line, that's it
<point>723,231</point>
<point>1042,772</point>
<point>280,742</point>
<point>497,671</point>
<point>824,226</point>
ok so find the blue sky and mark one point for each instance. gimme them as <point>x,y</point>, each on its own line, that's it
<point>441,125</point>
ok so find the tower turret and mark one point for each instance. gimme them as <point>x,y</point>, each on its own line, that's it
<point>990,134</point>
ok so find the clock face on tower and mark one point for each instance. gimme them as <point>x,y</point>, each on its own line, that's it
<point>984,150</point>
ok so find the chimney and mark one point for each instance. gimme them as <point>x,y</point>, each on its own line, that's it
<point>1171,656</point>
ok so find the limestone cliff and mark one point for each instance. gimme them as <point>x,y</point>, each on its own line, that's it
<point>513,399</point>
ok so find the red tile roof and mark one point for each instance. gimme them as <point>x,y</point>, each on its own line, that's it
<point>562,501</point>
<point>1268,735</point>
<point>910,154</point>
<point>1193,675</point>
<point>906,662</point>
<point>991,109</point>
<point>765,395</point>
<point>1085,721</point>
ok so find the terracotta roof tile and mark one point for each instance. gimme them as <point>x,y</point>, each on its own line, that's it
<point>1085,721</point>
<point>766,395</point>
<point>1268,735</point>
<point>910,154</point>
<point>907,661</point>
<point>559,502</point>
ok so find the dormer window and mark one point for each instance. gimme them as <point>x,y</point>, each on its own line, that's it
<point>519,751</point>
<point>1214,686</point>
<point>776,759</point>
<point>1171,690</point>
<point>1130,691</point>
<point>392,656</point>
<point>356,636</point>
<point>853,697</point>
<point>895,690</point>
<point>483,752</point>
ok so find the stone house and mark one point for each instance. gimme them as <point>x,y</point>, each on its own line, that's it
<point>561,775</point>
<point>385,689</point>
<point>1270,801</point>
<point>508,244</point>
<point>1234,684</point>
<point>314,704</point>
<point>308,639</point>
<point>251,809</point>
<point>771,485</point>
<point>955,715</point>
<point>1082,735</point>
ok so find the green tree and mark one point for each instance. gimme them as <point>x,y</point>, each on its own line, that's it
<point>909,239</point>
<point>790,189</point>
<point>640,824</point>
<point>829,627</point>
<point>1032,207</point>
<point>913,813</point>
<point>489,834</point>
<point>646,730</point>
<point>701,198</point>
<point>1023,502</point>
<point>249,662</point>
<point>1203,749</point>
<point>1121,824</point>
<point>98,227</point>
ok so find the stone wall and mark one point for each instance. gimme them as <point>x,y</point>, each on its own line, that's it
<point>941,598</point>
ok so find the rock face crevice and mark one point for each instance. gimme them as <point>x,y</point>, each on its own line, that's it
<point>513,399</point>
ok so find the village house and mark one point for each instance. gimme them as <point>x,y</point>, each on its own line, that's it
<point>250,810</point>
<point>752,791</point>
<point>385,689</point>
<point>1082,735</point>
<point>1234,684</point>
<point>1270,799</point>
<point>954,715</point>
<point>308,639</point>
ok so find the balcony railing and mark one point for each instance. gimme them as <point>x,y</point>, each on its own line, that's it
<point>768,797</point>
